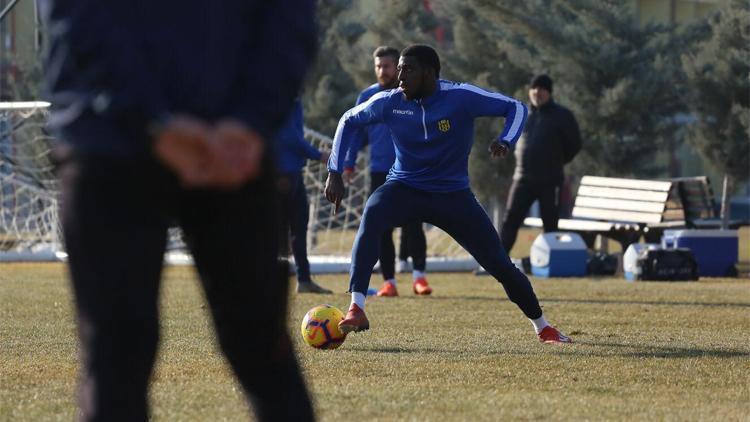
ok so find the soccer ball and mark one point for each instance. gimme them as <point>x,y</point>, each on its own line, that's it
<point>320,327</point>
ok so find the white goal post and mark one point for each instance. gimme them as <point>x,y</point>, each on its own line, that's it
<point>29,225</point>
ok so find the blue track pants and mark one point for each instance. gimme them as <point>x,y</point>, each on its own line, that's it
<point>458,214</point>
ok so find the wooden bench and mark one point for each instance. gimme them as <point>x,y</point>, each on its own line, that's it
<point>622,209</point>
<point>697,198</point>
<point>699,208</point>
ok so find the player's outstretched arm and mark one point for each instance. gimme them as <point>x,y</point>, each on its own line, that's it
<point>369,112</point>
<point>480,102</point>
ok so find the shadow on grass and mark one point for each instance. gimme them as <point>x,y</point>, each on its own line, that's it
<point>645,302</point>
<point>591,301</point>
<point>595,348</point>
<point>644,351</point>
<point>500,296</point>
<point>398,350</point>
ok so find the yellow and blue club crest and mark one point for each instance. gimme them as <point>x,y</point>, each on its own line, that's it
<point>444,125</point>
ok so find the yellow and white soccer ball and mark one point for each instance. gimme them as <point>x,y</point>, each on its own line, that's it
<point>320,327</point>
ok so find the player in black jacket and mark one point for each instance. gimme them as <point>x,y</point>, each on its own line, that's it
<point>549,141</point>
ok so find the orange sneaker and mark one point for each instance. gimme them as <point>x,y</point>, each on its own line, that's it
<point>355,320</point>
<point>388,290</point>
<point>551,335</point>
<point>421,287</point>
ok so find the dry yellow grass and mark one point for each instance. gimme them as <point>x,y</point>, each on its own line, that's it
<point>656,351</point>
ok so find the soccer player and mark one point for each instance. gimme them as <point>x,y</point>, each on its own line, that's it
<point>164,111</point>
<point>432,122</point>
<point>293,151</point>
<point>382,156</point>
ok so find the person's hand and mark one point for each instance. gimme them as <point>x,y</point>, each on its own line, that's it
<point>498,149</point>
<point>334,190</point>
<point>239,151</point>
<point>183,146</point>
<point>324,156</point>
<point>348,175</point>
<point>223,157</point>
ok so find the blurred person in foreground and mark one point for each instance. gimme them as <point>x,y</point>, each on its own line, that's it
<point>432,122</point>
<point>382,157</point>
<point>163,110</point>
<point>550,140</point>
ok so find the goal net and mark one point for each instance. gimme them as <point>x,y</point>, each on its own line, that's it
<point>30,228</point>
<point>29,225</point>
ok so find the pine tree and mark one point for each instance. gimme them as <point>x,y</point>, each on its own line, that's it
<point>718,75</point>
<point>330,89</point>
<point>625,82</point>
<point>473,59</point>
<point>615,75</point>
<point>349,32</point>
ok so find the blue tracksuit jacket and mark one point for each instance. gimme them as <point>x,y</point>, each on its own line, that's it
<point>114,67</point>
<point>432,136</point>
<point>382,152</point>
<point>292,149</point>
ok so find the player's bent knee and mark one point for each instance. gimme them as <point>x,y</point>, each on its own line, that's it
<point>504,272</point>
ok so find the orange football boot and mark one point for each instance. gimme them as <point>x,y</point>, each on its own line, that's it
<point>421,287</point>
<point>388,290</point>
<point>551,335</point>
<point>355,320</point>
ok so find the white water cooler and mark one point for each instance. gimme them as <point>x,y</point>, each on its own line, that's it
<point>558,254</point>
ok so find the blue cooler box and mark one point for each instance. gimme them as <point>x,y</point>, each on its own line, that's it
<point>558,254</point>
<point>714,250</point>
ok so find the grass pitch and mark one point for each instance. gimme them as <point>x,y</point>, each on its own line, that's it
<point>658,351</point>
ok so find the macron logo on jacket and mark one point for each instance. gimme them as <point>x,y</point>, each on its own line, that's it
<point>409,112</point>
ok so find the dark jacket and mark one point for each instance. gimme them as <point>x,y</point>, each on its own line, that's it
<point>292,149</point>
<point>550,140</point>
<point>114,67</point>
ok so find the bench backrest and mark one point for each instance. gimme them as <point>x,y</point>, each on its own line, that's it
<point>696,197</point>
<point>626,200</point>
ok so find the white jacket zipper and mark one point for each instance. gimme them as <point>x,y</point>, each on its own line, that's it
<point>424,125</point>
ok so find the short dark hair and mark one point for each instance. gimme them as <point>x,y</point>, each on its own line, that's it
<point>542,81</point>
<point>385,51</point>
<point>426,56</point>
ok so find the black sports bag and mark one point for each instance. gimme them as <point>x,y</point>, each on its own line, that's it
<point>676,264</point>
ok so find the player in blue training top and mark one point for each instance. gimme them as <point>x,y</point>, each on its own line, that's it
<point>432,122</point>
<point>382,156</point>
<point>293,151</point>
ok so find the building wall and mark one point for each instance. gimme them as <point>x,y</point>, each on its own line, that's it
<point>26,29</point>
<point>19,48</point>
